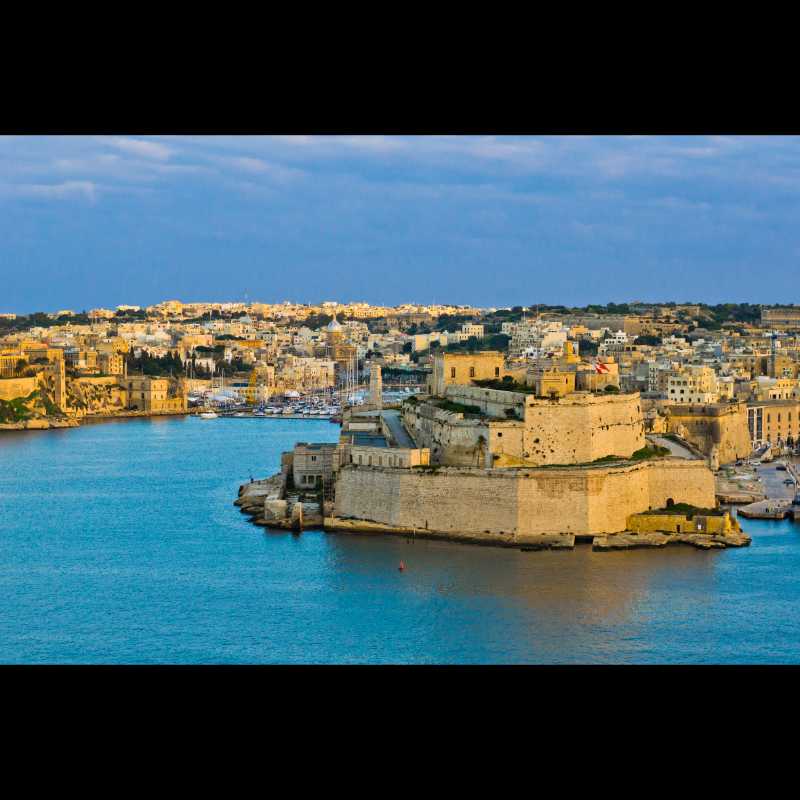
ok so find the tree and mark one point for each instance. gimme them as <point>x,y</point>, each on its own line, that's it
<point>653,341</point>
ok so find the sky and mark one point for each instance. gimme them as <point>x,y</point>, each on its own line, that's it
<point>99,221</point>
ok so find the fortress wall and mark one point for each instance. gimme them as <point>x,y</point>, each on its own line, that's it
<point>11,388</point>
<point>581,428</point>
<point>707,426</point>
<point>520,502</point>
<point>506,442</point>
<point>450,438</point>
<point>494,402</point>
<point>420,499</point>
<point>682,481</point>
<point>576,429</point>
<point>612,493</point>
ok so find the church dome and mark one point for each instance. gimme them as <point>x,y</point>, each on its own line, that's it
<point>334,325</point>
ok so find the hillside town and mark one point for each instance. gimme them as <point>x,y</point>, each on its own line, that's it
<point>724,378</point>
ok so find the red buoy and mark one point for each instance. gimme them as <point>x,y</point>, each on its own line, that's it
<point>402,566</point>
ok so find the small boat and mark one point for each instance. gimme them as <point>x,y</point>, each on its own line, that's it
<point>208,415</point>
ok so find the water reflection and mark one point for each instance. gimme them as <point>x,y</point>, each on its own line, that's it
<point>557,584</point>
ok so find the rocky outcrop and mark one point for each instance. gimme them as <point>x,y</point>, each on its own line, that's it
<point>266,501</point>
<point>628,540</point>
<point>254,496</point>
<point>39,423</point>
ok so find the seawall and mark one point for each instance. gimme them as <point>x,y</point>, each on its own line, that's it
<point>518,503</point>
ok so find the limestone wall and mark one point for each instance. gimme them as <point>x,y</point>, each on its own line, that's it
<point>582,427</point>
<point>95,395</point>
<point>712,425</point>
<point>11,388</point>
<point>577,429</point>
<point>519,502</point>
<point>493,402</point>
<point>450,438</point>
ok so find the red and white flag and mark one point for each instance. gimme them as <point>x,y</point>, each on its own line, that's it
<point>600,367</point>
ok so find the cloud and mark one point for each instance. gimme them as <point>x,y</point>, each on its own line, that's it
<point>333,144</point>
<point>56,191</point>
<point>142,148</point>
<point>258,166</point>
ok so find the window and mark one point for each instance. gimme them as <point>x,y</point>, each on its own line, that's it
<point>313,458</point>
<point>452,372</point>
<point>472,372</point>
<point>497,372</point>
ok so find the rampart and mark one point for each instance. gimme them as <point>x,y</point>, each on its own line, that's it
<point>11,388</point>
<point>722,425</point>
<point>521,429</point>
<point>513,504</point>
<point>582,427</point>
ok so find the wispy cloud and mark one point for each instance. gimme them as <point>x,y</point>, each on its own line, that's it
<point>258,166</point>
<point>143,148</point>
<point>55,191</point>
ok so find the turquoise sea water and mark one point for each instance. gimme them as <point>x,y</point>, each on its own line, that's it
<point>119,543</point>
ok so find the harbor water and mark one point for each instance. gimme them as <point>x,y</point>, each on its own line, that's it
<point>119,543</point>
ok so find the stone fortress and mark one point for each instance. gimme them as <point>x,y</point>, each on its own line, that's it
<point>520,458</point>
<point>34,379</point>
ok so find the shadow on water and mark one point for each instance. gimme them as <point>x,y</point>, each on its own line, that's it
<point>559,585</point>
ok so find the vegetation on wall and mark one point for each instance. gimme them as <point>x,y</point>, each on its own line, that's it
<point>459,408</point>
<point>687,510</point>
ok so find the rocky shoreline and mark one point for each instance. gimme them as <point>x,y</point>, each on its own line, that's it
<point>39,424</point>
<point>266,502</point>
<point>48,423</point>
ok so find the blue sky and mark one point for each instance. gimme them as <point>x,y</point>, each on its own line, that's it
<point>489,220</point>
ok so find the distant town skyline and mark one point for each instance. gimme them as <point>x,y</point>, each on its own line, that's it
<point>489,221</point>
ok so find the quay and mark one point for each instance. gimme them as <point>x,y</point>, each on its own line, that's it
<point>245,415</point>
<point>782,500</point>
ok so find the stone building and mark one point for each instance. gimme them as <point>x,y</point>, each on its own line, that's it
<point>463,368</point>
<point>149,394</point>
<point>313,464</point>
<point>774,421</point>
<point>780,317</point>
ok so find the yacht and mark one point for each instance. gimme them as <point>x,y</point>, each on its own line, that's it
<point>208,414</point>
